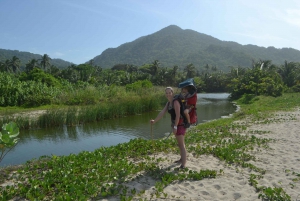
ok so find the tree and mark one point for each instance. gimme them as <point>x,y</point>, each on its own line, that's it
<point>39,75</point>
<point>173,74</point>
<point>45,61</point>
<point>123,67</point>
<point>288,73</point>
<point>70,74</point>
<point>265,65</point>
<point>155,67</point>
<point>85,71</point>
<point>206,67</point>
<point>214,68</point>
<point>2,66</point>
<point>190,70</point>
<point>132,68</point>
<point>109,77</point>
<point>174,70</point>
<point>54,71</point>
<point>15,64</point>
<point>31,65</point>
<point>7,66</point>
<point>257,82</point>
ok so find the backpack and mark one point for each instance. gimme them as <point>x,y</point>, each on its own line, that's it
<point>190,99</point>
<point>182,101</point>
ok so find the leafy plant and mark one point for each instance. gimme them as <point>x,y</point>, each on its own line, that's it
<point>274,194</point>
<point>139,85</point>
<point>8,138</point>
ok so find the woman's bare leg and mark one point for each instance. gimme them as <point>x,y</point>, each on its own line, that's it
<point>180,141</point>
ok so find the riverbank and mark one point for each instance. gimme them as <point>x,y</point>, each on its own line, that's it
<point>280,163</point>
<point>253,155</point>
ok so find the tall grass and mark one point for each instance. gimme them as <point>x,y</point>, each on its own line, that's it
<point>51,118</point>
<point>262,106</point>
<point>71,116</point>
<point>107,103</point>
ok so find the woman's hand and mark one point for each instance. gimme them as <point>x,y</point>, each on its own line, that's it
<point>174,130</point>
<point>152,121</point>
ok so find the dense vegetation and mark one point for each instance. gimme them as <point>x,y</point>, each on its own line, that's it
<point>42,83</point>
<point>175,46</point>
<point>87,93</point>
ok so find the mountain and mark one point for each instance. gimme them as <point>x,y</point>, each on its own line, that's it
<point>175,46</point>
<point>27,56</point>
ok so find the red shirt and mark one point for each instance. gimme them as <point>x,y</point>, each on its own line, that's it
<point>192,100</point>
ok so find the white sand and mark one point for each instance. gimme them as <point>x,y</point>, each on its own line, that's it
<point>279,162</point>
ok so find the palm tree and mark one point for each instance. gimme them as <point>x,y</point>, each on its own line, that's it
<point>1,66</point>
<point>45,61</point>
<point>265,65</point>
<point>31,65</point>
<point>206,67</point>
<point>214,68</point>
<point>7,66</point>
<point>155,67</point>
<point>131,68</point>
<point>174,70</point>
<point>15,64</point>
<point>190,70</point>
<point>54,71</point>
<point>287,73</point>
<point>236,71</point>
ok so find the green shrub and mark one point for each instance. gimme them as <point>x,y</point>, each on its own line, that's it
<point>258,82</point>
<point>141,84</point>
<point>37,100</point>
<point>248,98</point>
<point>296,88</point>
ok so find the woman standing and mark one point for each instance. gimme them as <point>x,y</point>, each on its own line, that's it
<point>173,107</point>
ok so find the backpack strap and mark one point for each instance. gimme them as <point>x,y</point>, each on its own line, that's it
<point>181,101</point>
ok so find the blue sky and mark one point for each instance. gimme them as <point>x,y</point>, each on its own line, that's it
<point>79,30</point>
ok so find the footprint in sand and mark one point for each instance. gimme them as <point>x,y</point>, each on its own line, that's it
<point>174,189</point>
<point>204,193</point>
<point>217,187</point>
<point>237,195</point>
<point>186,184</point>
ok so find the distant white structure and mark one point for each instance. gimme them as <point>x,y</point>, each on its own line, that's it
<point>262,65</point>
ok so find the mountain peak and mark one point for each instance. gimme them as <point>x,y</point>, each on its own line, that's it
<point>175,46</point>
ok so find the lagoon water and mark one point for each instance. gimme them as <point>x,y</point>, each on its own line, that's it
<point>88,137</point>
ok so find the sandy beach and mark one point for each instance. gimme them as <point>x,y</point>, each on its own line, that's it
<point>281,164</point>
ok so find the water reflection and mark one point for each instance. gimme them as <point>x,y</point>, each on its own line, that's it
<point>66,140</point>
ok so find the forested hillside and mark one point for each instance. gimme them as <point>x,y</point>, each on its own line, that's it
<point>25,57</point>
<point>175,46</point>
